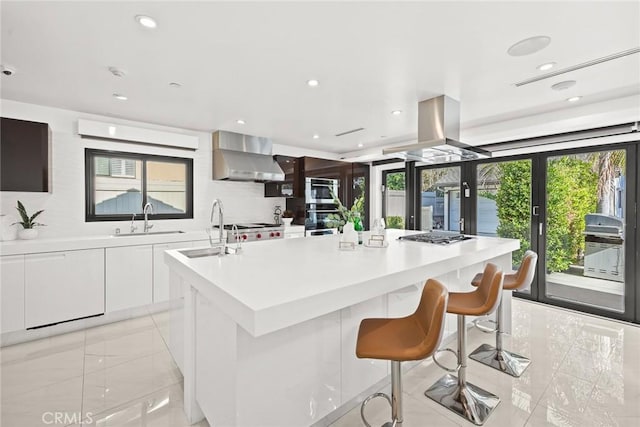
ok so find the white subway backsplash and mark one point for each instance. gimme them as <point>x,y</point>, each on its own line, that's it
<point>64,207</point>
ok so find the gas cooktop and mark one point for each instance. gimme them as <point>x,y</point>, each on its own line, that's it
<point>251,226</point>
<point>437,238</point>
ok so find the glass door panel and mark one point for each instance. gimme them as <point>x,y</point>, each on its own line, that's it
<point>394,199</point>
<point>439,199</point>
<point>584,229</point>
<point>503,203</point>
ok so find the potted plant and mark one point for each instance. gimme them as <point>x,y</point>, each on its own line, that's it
<point>28,223</point>
<point>287,217</point>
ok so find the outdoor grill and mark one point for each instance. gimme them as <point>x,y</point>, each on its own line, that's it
<point>604,247</point>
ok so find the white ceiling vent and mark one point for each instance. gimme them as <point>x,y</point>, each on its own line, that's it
<point>350,131</point>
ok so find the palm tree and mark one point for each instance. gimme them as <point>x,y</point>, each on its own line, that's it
<point>609,165</point>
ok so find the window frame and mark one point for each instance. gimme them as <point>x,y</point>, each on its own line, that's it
<point>89,173</point>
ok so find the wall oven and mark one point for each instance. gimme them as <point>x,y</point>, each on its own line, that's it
<point>318,190</point>
<point>320,216</point>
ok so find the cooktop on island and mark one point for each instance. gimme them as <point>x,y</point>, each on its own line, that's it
<point>435,237</point>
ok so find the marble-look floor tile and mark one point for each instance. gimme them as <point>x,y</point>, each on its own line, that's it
<point>566,393</point>
<point>119,329</point>
<point>114,351</point>
<point>34,373</point>
<point>111,387</point>
<point>42,347</point>
<point>584,364</point>
<point>41,407</point>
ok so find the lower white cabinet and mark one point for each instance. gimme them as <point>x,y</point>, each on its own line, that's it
<point>129,277</point>
<point>63,286</point>
<point>161,271</point>
<point>11,293</point>
<point>293,231</point>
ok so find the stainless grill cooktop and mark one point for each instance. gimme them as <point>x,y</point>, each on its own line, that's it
<point>438,238</point>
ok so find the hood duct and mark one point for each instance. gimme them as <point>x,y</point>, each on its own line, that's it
<point>438,135</point>
<point>241,157</point>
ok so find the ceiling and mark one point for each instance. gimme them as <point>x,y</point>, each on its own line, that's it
<point>251,61</point>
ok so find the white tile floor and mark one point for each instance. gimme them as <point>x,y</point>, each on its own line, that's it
<point>585,372</point>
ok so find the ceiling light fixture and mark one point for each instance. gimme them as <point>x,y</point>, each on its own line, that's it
<point>117,72</point>
<point>529,46</point>
<point>120,97</point>
<point>175,85</point>
<point>316,136</point>
<point>564,85</point>
<point>396,112</point>
<point>146,21</point>
<point>547,66</point>
<point>574,99</point>
<point>360,145</point>
<point>240,121</point>
<point>313,83</point>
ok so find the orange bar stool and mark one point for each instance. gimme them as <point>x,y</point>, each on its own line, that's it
<point>414,337</point>
<point>455,393</point>
<point>496,357</point>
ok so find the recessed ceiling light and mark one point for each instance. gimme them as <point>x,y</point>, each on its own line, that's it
<point>564,85</point>
<point>316,136</point>
<point>240,121</point>
<point>120,97</point>
<point>117,72</point>
<point>396,112</point>
<point>313,83</point>
<point>146,21</point>
<point>547,66</point>
<point>529,46</point>
<point>360,145</point>
<point>574,99</point>
<point>175,85</point>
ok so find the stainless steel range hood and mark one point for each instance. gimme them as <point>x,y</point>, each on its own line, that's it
<point>438,135</point>
<point>239,157</point>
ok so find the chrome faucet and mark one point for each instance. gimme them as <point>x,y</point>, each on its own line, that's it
<point>132,227</point>
<point>217,203</point>
<point>148,208</point>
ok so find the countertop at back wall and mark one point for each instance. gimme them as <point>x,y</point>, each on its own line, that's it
<point>23,247</point>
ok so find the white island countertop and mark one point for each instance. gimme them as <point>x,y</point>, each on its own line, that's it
<point>276,284</point>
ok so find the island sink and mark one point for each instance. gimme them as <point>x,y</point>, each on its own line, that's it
<point>201,252</point>
<point>147,234</point>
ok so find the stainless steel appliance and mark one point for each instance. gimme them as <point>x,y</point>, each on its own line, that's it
<point>604,247</point>
<point>244,158</point>
<point>254,232</point>
<point>318,190</point>
<point>438,135</point>
<point>321,232</point>
<point>437,238</point>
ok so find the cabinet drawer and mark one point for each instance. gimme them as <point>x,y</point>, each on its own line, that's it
<point>129,277</point>
<point>12,293</point>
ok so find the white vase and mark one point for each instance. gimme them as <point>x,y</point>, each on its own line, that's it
<point>349,233</point>
<point>287,221</point>
<point>28,233</point>
<point>9,231</point>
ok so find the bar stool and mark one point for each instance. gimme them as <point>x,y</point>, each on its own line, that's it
<point>496,357</point>
<point>455,393</point>
<point>414,337</point>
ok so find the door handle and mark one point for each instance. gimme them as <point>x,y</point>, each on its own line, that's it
<point>535,210</point>
<point>540,229</point>
<point>461,223</point>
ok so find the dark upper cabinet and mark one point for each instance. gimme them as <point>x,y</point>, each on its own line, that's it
<point>24,156</point>
<point>293,184</point>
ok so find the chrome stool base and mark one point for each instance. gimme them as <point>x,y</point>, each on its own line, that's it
<point>469,401</point>
<point>502,360</point>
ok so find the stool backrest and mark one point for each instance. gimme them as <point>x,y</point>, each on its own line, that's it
<point>430,315</point>
<point>490,287</point>
<point>527,270</point>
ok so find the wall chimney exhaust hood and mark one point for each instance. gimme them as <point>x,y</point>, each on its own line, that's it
<point>239,157</point>
<point>438,135</point>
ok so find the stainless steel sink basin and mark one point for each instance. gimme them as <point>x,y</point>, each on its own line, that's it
<point>201,252</point>
<point>151,233</point>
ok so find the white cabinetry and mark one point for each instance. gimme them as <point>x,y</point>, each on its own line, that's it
<point>161,271</point>
<point>12,293</point>
<point>293,231</point>
<point>129,277</point>
<point>63,286</point>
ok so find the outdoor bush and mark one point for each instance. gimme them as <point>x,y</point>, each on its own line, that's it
<point>395,222</point>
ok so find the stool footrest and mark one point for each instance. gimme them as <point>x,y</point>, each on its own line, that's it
<point>367,400</point>
<point>502,360</point>
<point>440,365</point>
<point>486,329</point>
<point>467,400</point>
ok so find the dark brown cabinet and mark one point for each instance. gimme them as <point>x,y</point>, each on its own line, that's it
<point>24,156</point>
<point>293,184</point>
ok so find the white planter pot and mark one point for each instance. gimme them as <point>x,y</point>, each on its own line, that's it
<point>28,233</point>
<point>287,221</point>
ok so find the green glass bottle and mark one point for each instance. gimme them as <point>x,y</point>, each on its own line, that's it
<point>357,225</point>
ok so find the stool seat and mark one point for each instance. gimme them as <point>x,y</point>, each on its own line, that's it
<point>468,303</point>
<point>510,281</point>
<point>518,280</point>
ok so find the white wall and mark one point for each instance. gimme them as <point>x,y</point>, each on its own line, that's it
<point>65,205</point>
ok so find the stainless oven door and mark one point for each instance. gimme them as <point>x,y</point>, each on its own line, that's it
<point>318,190</point>
<point>321,232</point>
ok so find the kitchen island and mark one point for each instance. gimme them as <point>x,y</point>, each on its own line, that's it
<point>267,337</point>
